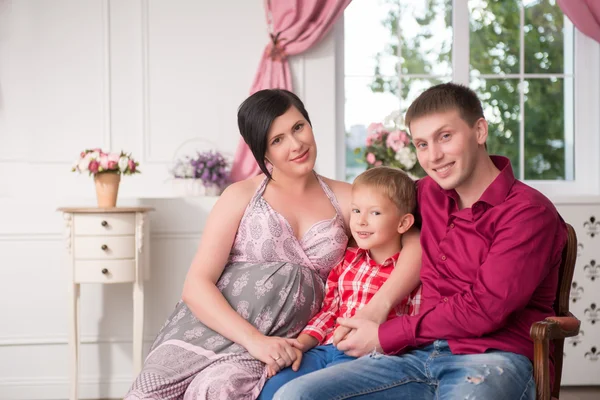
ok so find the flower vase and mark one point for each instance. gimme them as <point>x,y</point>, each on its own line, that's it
<point>107,188</point>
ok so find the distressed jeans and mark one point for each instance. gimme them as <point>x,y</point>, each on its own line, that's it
<point>431,372</point>
<point>317,358</point>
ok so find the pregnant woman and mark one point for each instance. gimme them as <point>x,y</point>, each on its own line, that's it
<point>260,270</point>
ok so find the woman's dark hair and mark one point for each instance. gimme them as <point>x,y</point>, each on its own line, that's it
<point>257,113</point>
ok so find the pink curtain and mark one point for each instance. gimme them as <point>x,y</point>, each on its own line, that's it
<point>585,15</point>
<point>295,25</point>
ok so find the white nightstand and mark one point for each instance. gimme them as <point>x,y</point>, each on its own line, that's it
<point>106,245</point>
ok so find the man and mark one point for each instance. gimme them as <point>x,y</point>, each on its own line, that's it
<point>491,254</point>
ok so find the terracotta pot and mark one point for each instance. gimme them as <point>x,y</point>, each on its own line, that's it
<point>107,188</point>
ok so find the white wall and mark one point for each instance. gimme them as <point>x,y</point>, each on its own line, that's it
<point>144,76</point>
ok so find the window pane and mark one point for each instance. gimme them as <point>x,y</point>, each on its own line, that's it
<point>500,99</point>
<point>545,37</point>
<point>494,36</point>
<point>426,33</point>
<point>413,87</point>
<point>548,129</point>
<point>363,107</point>
<point>366,38</point>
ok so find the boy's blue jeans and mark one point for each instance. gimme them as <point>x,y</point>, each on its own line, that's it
<point>313,360</point>
<point>431,372</point>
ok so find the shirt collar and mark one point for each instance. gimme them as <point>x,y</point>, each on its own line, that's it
<point>497,191</point>
<point>372,263</point>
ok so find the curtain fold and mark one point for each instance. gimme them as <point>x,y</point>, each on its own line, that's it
<point>295,26</point>
<point>585,15</point>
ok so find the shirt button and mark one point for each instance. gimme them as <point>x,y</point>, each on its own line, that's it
<point>451,226</point>
<point>443,258</point>
<point>445,299</point>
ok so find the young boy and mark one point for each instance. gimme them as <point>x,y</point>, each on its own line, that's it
<point>383,204</point>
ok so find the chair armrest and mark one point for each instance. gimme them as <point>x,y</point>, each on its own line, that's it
<point>555,328</point>
<point>542,332</point>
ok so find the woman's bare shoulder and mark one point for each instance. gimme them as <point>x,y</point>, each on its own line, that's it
<point>340,188</point>
<point>241,192</point>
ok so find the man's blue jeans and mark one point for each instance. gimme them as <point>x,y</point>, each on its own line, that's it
<point>313,360</point>
<point>432,372</point>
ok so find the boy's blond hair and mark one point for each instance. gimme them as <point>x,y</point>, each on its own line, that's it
<point>393,183</point>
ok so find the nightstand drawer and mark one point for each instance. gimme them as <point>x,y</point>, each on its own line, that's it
<point>104,247</point>
<point>112,271</point>
<point>104,224</point>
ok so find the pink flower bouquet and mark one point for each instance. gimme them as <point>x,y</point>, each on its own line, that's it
<point>390,146</point>
<point>96,161</point>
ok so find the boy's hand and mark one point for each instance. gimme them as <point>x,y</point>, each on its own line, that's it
<point>296,364</point>
<point>306,341</point>
<point>340,333</point>
<point>270,372</point>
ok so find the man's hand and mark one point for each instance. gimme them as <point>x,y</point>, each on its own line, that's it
<point>377,314</point>
<point>340,333</point>
<point>363,340</point>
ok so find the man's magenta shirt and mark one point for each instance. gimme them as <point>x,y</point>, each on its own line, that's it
<point>488,271</point>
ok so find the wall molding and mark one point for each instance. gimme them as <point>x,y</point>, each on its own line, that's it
<point>146,85</point>
<point>50,380</point>
<point>52,340</point>
<point>106,27</point>
<point>30,237</point>
<point>146,132</point>
<point>54,237</point>
<point>173,235</point>
<point>49,387</point>
<point>106,77</point>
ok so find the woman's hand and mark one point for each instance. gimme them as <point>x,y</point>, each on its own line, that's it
<point>295,365</point>
<point>276,352</point>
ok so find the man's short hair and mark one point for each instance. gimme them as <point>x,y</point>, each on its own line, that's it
<point>446,97</point>
<point>392,183</point>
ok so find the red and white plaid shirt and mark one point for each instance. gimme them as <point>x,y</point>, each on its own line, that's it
<point>350,286</point>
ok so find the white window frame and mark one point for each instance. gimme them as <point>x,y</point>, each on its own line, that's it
<point>586,116</point>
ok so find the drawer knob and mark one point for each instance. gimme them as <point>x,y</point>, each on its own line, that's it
<point>104,271</point>
<point>104,223</point>
<point>104,247</point>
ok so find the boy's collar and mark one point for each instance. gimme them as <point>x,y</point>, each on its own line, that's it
<point>373,263</point>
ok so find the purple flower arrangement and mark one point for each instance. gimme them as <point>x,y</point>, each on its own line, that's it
<point>210,167</point>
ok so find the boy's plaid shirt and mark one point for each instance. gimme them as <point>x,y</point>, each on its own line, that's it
<point>350,286</point>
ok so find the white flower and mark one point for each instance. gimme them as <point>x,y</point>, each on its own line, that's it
<point>123,162</point>
<point>395,119</point>
<point>179,171</point>
<point>189,171</point>
<point>94,155</point>
<point>406,157</point>
<point>83,164</point>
